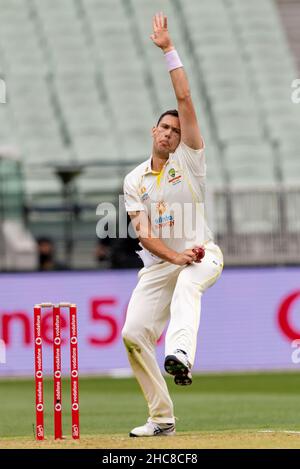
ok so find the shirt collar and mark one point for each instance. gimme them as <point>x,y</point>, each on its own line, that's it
<point>148,169</point>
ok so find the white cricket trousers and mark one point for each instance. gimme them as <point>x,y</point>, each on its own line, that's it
<point>166,291</point>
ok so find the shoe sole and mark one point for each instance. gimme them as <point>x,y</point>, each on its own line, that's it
<point>172,433</point>
<point>176,368</point>
<point>183,380</point>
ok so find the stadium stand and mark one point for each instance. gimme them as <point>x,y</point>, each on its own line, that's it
<point>17,247</point>
<point>290,14</point>
<point>85,85</point>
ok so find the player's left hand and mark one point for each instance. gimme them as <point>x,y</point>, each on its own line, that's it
<point>161,36</point>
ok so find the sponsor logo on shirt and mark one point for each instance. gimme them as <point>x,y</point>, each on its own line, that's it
<point>161,207</point>
<point>173,178</point>
<point>144,194</point>
<point>163,219</point>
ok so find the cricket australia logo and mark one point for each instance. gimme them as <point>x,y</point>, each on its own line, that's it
<point>173,178</point>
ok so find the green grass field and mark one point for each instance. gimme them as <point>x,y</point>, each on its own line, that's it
<point>237,410</point>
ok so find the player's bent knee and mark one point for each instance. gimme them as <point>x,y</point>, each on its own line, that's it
<point>135,335</point>
<point>130,334</point>
<point>126,333</point>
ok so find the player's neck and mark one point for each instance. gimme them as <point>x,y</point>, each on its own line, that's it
<point>158,161</point>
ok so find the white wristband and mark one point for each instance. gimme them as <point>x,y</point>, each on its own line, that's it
<point>173,60</point>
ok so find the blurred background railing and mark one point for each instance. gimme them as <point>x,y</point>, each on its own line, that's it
<point>253,224</point>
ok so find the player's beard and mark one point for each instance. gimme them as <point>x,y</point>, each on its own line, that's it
<point>163,150</point>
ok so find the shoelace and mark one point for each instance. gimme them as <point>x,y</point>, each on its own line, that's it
<point>156,428</point>
<point>153,426</point>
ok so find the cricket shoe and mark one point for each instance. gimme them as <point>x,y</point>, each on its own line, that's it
<point>178,366</point>
<point>154,429</point>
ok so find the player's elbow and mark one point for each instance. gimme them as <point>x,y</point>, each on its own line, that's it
<point>184,96</point>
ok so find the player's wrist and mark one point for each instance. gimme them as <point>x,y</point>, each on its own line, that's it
<point>168,48</point>
<point>172,60</point>
<point>171,256</point>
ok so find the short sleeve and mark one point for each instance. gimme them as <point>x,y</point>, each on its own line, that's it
<point>131,197</point>
<point>193,159</point>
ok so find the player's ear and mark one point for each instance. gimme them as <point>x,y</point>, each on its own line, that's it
<point>153,131</point>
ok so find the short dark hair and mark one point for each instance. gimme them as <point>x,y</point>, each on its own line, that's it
<point>171,112</point>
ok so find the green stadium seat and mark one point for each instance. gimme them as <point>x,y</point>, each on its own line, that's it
<point>292,204</point>
<point>250,175</point>
<point>291,171</point>
<point>6,124</point>
<point>280,126</point>
<point>256,152</point>
<point>96,179</point>
<point>238,127</point>
<point>289,149</point>
<point>55,7</point>
<point>11,188</point>
<point>137,145</point>
<point>215,175</point>
<point>94,148</point>
<point>42,189</point>
<point>255,213</point>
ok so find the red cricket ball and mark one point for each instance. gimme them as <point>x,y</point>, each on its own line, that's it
<point>200,252</point>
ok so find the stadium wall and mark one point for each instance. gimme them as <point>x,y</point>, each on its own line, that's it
<point>250,320</point>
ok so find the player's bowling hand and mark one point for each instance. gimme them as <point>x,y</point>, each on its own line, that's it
<point>199,251</point>
<point>185,258</point>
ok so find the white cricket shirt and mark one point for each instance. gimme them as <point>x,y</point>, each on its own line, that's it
<point>174,199</point>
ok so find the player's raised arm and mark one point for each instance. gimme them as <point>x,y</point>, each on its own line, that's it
<point>190,132</point>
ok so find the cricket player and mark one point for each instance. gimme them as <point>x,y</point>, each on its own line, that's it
<point>175,273</point>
